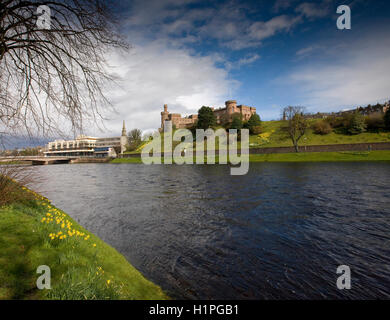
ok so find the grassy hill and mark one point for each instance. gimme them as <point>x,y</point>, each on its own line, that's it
<point>33,232</point>
<point>274,136</point>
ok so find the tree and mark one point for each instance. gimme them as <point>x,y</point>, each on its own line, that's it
<point>206,118</point>
<point>134,138</point>
<point>236,122</point>
<point>387,119</point>
<point>254,123</point>
<point>356,124</point>
<point>296,124</point>
<point>52,63</point>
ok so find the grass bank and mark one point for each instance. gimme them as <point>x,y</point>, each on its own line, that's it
<point>33,232</point>
<point>301,157</point>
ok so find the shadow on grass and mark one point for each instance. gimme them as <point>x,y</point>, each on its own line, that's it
<point>17,275</point>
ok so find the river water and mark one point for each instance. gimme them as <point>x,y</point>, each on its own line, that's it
<point>279,232</point>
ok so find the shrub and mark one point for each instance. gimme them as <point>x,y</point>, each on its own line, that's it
<point>335,122</point>
<point>256,130</point>
<point>387,119</point>
<point>346,120</point>
<point>375,122</point>
<point>236,123</point>
<point>322,127</point>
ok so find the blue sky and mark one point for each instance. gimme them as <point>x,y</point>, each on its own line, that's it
<point>267,54</point>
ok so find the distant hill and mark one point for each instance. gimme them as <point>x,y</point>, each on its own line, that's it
<point>19,142</point>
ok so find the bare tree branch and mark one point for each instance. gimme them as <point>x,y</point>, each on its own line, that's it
<point>296,124</point>
<point>59,74</point>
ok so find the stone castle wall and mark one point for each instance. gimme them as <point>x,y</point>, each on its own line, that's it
<point>223,115</point>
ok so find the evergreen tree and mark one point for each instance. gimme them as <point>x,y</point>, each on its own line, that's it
<point>206,118</point>
<point>253,122</point>
<point>357,124</point>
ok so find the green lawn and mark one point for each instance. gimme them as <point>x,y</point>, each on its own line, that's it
<point>302,157</point>
<point>34,233</point>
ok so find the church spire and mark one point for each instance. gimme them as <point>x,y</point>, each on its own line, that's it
<point>124,129</point>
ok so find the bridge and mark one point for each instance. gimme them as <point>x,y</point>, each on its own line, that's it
<point>38,160</point>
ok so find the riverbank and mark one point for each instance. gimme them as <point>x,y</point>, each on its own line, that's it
<point>344,156</point>
<point>33,232</point>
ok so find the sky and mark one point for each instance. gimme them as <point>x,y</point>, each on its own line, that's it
<point>265,54</point>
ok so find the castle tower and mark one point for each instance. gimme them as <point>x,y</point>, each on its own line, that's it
<point>231,106</point>
<point>164,115</point>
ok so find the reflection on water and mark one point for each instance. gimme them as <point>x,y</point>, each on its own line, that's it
<point>279,232</point>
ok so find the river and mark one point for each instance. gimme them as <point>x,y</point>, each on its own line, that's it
<point>279,232</point>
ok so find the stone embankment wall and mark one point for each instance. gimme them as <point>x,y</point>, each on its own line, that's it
<point>325,148</point>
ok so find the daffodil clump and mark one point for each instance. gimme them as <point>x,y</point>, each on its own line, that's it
<point>33,232</point>
<point>64,227</point>
<point>264,137</point>
<point>60,229</point>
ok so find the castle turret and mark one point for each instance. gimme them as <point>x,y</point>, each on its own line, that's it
<point>231,106</point>
<point>164,115</point>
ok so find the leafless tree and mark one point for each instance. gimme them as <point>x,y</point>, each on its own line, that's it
<point>296,124</point>
<point>134,139</point>
<point>53,66</point>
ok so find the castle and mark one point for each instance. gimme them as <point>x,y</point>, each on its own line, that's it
<point>223,115</point>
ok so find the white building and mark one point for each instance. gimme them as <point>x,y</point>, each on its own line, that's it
<point>85,146</point>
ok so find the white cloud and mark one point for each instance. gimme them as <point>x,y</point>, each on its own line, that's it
<point>262,30</point>
<point>307,51</point>
<point>248,60</point>
<point>314,10</point>
<point>225,22</point>
<point>358,74</point>
<point>154,74</point>
<point>282,5</point>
